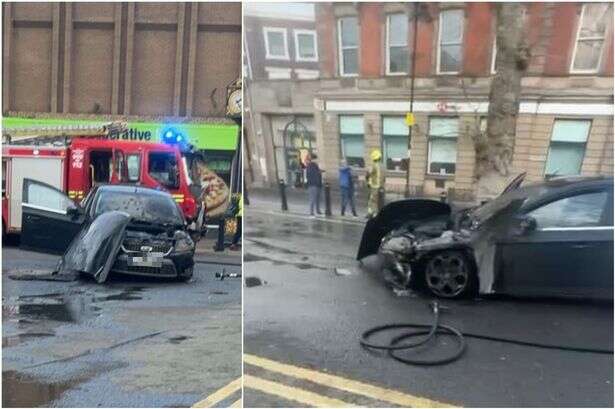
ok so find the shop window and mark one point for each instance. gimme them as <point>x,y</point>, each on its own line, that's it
<point>276,47</point>
<point>305,45</point>
<point>348,33</point>
<point>133,167</point>
<point>395,143</point>
<point>590,37</point>
<point>163,167</point>
<point>567,147</point>
<point>450,41</point>
<point>443,134</point>
<point>397,44</point>
<point>352,140</point>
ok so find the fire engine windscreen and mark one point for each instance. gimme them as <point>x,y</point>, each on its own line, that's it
<point>163,167</point>
<point>143,207</point>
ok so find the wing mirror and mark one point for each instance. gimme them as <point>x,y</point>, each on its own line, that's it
<point>526,224</point>
<point>74,211</point>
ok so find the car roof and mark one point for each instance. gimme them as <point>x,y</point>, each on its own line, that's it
<point>556,186</point>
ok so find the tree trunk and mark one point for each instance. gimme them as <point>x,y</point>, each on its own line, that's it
<point>494,155</point>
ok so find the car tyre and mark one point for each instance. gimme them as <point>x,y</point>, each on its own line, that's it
<point>186,274</point>
<point>450,274</point>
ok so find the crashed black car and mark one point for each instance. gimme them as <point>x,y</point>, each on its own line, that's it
<point>121,229</point>
<point>553,238</point>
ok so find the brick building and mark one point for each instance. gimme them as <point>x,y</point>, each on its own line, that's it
<point>149,63</point>
<point>565,124</point>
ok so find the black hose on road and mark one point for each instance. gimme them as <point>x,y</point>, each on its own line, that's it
<point>429,332</point>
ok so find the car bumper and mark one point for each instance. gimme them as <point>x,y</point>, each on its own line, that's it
<point>172,266</point>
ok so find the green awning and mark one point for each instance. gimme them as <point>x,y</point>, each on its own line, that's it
<point>201,135</point>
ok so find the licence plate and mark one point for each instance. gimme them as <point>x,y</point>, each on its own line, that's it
<point>145,261</point>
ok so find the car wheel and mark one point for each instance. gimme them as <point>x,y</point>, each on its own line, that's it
<point>186,274</point>
<point>449,274</point>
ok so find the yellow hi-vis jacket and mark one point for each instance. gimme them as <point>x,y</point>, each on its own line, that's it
<point>376,176</point>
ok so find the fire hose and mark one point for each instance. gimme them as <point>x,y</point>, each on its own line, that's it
<point>430,332</point>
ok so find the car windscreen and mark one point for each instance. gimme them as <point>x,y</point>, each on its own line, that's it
<point>145,207</point>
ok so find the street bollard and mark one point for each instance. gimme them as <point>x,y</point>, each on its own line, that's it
<point>380,198</point>
<point>220,243</point>
<point>327,199</point>
<point>246,198</point>
<point>283,195</point>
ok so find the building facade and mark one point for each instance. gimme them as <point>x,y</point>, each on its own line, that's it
<point>359,102</point>
<point>150,64</point>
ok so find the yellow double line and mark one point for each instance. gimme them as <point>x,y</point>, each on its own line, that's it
<point>309,398</point>
<point>220,395</point>
<point>332,381</point>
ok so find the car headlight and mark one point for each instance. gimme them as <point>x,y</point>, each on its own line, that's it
<point>183,242</point>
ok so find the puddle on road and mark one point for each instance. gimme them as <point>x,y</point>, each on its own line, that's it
<point>60,307</point>
<point>19,391</point>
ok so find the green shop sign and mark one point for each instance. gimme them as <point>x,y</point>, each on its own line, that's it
<point>201,135</point>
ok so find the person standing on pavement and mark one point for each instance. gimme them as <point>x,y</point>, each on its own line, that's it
<point>314,183</point>
<point>375,182</point>
<point>239,217</point>
<point>347,187</point>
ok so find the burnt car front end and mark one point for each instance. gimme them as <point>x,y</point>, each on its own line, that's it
<point>155,252</point>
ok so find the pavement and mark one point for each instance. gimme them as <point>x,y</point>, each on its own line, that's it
<point>130,342</point>
<point>307,301</point>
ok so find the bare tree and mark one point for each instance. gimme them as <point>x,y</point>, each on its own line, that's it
<point>494,149</point>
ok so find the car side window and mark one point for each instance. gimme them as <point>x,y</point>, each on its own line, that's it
<point>133,166</point>
<point>46,198</point>
<point>583,210</point>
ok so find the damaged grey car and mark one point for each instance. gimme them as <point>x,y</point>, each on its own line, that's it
<point>120,229</point>
<point>553,238</point>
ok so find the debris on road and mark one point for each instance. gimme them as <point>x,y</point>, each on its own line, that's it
<point>253,282</point>
<point>342,271</point>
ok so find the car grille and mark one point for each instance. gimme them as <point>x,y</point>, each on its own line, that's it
<point>158,246</point>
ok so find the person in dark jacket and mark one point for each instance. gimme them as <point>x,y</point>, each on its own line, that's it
<point>347,187</point>
<point>314,184</point>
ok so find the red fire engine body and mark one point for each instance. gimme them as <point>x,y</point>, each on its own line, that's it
<point>85,162</point>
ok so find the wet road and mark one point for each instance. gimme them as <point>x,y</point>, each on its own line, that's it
<point>132,342</point>
<point>302,324</point>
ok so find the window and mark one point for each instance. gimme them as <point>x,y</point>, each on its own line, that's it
<point>305,45</point>
<point>567,147</point>
<point>276,47</point>
<point>443,145</point>
<point>450,40</point>
<point>163,167</point>
<point>395,142</point>
<point>351,138</point>
<point>348,33</point>
<point>46,197</point>
<point>397,44</point>
<point>591,33</point>
<point>133,166</point>
<point>584,210</point>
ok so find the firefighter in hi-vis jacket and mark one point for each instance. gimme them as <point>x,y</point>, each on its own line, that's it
<point>375,182</point>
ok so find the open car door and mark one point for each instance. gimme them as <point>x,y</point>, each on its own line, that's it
<point>49,220</point>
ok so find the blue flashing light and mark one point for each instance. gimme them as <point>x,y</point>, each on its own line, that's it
<point>172,136</point>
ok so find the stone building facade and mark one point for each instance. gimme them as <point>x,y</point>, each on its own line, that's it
<point>565,124</point>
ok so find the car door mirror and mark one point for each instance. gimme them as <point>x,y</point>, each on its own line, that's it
<point>526,225</point>
<point>74,211</point>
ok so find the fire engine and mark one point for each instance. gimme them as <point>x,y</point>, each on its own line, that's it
<point>73,159</point>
